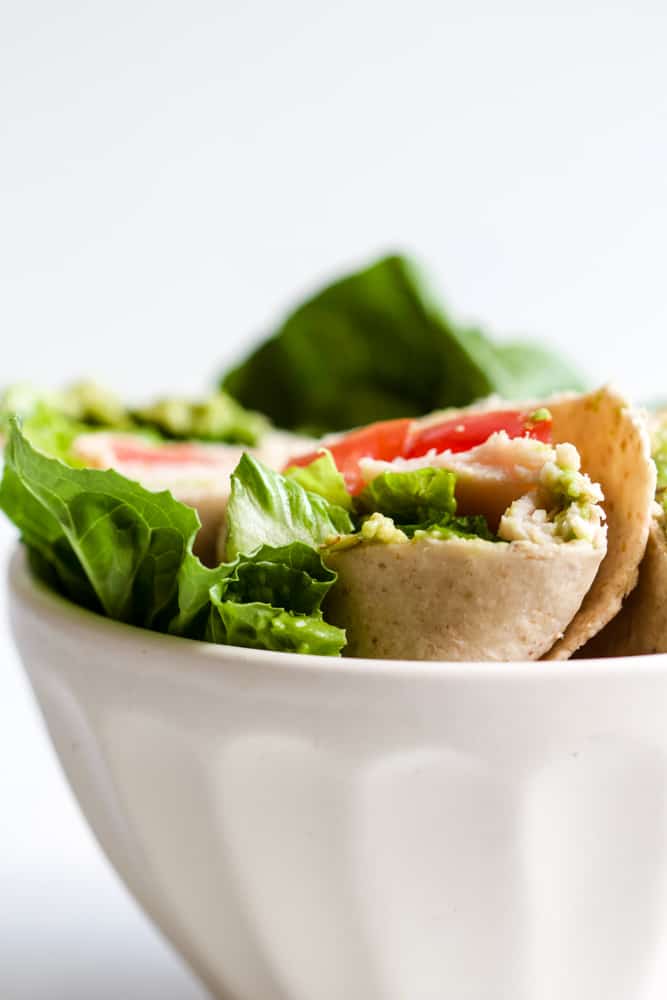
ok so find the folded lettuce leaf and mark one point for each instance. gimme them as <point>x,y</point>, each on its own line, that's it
<point>100,533</point>
<point>322,477</point>
<point>418,500</point>
<point>406,497</point>
<point>292,577</point>
<point>422,500</point>
<point>266,508</point>
<point>118,549</point>
<point>259,626</point>
<point>375,345</point>
<point>271,600</point>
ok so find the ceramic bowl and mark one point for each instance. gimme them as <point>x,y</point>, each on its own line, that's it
<point>305,828</point>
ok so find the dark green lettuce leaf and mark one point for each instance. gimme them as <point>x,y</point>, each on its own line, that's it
<point>102,534</point>
<point>322,477</point>
<point>266,508</point>
<point>375,345</point>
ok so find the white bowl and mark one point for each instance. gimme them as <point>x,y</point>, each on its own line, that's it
<point>305,828</point>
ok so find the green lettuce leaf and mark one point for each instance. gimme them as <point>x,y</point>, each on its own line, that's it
<point>292,578</point>
<point>409,497</point>
<point>421,500</point>
<point>114,547</point>
<point>196,583</point>
<point>270,600</point>
<point>107,539</point>
<point>660,456</point>
<point>262,627</point>
<point>266,508</point>
<point>322,477</point>
<point>45,423</point>
<point>375,345</point>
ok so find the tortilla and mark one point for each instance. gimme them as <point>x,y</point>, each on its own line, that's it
<point>458,599</point>
<point>615,448</point>
<point>641,625</point>
<point>461,599</point>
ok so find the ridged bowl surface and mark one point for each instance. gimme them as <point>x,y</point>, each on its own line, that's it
<point>305,828</point>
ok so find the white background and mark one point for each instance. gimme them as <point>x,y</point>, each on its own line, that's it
<point>174,175</point>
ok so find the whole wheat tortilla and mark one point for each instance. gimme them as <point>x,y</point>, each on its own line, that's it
<point>458,599</point>
<point>641,625</point>
<point>614,443</point>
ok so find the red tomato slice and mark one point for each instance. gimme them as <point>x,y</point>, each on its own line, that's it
<point>384,441</point>
<point>469,430</point>
<point>390,439</point>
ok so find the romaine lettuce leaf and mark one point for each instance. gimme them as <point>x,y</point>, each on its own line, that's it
<point>411,497</point>
<point>322,477</point>
<point>263,627</point>
<point>266,601</point>
<point>292,578</point>
<point>116,548</point>
<point>375,345</point>
<point>266,508</point>
<point>421,500</point>
<point>102,534</point>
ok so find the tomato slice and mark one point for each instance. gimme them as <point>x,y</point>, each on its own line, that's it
<point>390,439</point>
<point>469,430</point>
<point>383,440</point>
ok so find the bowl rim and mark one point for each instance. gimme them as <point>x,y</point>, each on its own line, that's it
<point>60,613</point>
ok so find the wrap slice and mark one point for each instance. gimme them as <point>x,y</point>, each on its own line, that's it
<point>546,582</point>
<point>615,448</point>
<point>641,625</point>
